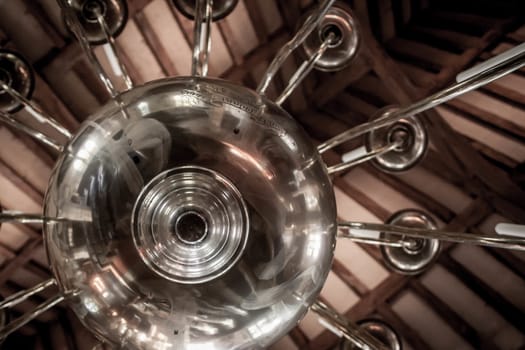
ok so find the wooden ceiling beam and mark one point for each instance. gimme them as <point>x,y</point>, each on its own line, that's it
<point>507,310</point>
<point>411,335</point>
<point>393,284</point>
<point>21,259</point>
<point>155,45</point>
<point>453,319</point>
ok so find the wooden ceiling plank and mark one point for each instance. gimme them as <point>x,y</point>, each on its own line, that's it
<point>231,44</point>
<point>505,127</point>
<point>454,320</point>
<point>88,77</point>
<point>36,10</point>
<point>264,53</point>
<point>392,285</point>
<point>434,207</point>
<point>155,45</point>
<point>501,305</point>
<point>21,259</point>
<point>255,14</point>
<point>332,86</point>
<point>349,279</point>
<point>411,335</point>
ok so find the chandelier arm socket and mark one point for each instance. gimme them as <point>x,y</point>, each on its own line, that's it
<point>308,27</point>
<point>350,228</point>
<point>81,36</point>
<point>339,324</point>
<point>505,64</point>
<point>201,37</point>
<point>305,68</point>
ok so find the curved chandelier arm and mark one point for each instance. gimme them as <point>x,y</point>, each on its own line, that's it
<point>341,326</point>
<point>26,218</point>
<point>304,69</point>
<point>38,114</point>
<point>469,80</point>
<point>77,29</point>
<point>112,53</point>
<point>27,317</point>
<point>201,37</point>
<point>363,158</point>
<point>8,119</point>
<point>309,25</point>
<point>405,235</point>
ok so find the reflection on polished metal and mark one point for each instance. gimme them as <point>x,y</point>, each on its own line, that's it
<point>205,220</point>
<point>354,230</point>
<point>374,153</point>
<point>419,254</point>
<point>502,67</point>
<point>114,13</point>
<point>412,145</point>
<point>202,37</point>
<point>8,119</point>
<point>16,74</point>
<point>201,224</point>
<point>73,22</point>
<point>341,326</point>
<point>305,68</point>
<point>308,27</point>
<point>220,9</point>
<point>379,330</point>
<point>21,296</point>
<point>339,21</point>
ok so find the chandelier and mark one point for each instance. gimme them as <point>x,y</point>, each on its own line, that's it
<point>194,213</point>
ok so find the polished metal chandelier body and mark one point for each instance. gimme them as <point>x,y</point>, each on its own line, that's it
<point>193,213</point>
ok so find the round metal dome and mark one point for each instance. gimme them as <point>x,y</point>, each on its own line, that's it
<point>194,214</point>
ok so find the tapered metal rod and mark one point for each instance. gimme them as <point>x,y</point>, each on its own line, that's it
<point>113,49</point>
<point>23,295</point>
<point>309,25</point>
<point>27,317</point>
<point>39,115</point>
<point>517,243</point>
<point>202,37</point>
<point>6,118</point>
<point>364,158</point>
<point>499,68</point>
<point>25,218</point>
<point>304,69</point>
<point>77,29</point>
<point>397,243</point>
<point>352,332</point>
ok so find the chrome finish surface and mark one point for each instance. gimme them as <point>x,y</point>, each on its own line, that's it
<point>17,74</point>
<point>339,21</point>
<point>415,257</point>
<point>111,44</point>
<point>29,316</point>
<point>8,119</point>
<point>202,37</point>
<point>114,13</point>
<point>373,153</point>
<point>193,157</point>
<point>493,72</point>
<point>411,137</point>
<point>343,327</point>
<point>379,330</point>
<point>220,9</point>
<point>201,224</point>
<point>305,68</point>
<point>74,24</point>
<point>21,296</point>
<point>404,234</point>
<point>300,36</point>
<point>36,112</point>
